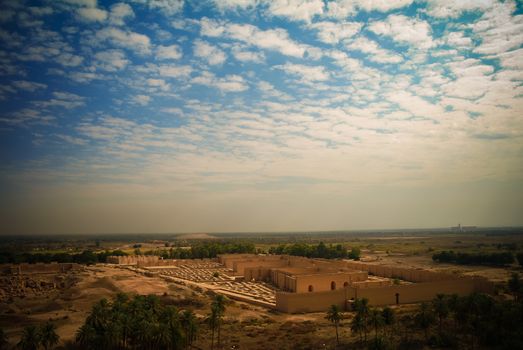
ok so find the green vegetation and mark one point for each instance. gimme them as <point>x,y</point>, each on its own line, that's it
<point>448,321</point>
<point>496,259</point>
<point>316,251</point>
<point>85,257</point>
<point>35,336</point>
<point>4,343</point>
<point>334,315</point>
<point>140,322</point>
<point>204,250</point>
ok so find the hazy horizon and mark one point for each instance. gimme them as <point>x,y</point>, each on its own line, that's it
<point>260,116</point>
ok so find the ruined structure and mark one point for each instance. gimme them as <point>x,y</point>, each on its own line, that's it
<point>310,285</point>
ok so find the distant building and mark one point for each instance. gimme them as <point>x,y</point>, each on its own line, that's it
<point>460,228</point>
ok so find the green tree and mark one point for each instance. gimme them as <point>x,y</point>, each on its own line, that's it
<point>218,304</point>
<point>514,285</point>
<point>376,320</point>
<point>190,327</point>
<point>48,336</point>
<point>424,318</point>
<point>357,325</point>
<point>441,307</point>
<point>362,308</point>
<point>212,321</point>
<point>334,315</point>
<point>4,342</point>
<point>30,339</point>
<point>389,317</point>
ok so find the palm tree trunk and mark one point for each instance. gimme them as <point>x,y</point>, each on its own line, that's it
<point>212,339</point>
<point>337,337</point>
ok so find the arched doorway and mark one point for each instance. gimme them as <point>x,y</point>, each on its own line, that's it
<point>333,285</point>
<point>346,284</point>
<point>311,288</point>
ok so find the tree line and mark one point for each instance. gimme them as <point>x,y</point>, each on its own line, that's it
<point>320,250</point>
<point>203,250</point>
<point>448,321</point>
<point>496,259</point>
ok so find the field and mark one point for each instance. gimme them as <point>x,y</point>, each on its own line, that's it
<point>245,326</point>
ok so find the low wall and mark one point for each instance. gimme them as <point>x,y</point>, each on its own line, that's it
<point>408,274</point>
<point>386,295</point>
<point>25,268</point>
<point>415,293</point>
<point>311,302</point>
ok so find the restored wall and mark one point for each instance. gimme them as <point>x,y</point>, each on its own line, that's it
<point>414,293</point>
<point>408,274</point>
<point>239,266</point>
<point>311,302</point>
<point>257,274</point>
<point>322,282</point>
<point>133,259</point>
<point>386,295</point>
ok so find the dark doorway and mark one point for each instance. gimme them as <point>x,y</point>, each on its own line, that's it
<point>333,285</point>
<point>397,298</point>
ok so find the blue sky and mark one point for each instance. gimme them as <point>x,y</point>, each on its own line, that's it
<point>252,115</point>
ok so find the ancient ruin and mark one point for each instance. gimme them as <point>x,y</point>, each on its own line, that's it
<point>296,284</point>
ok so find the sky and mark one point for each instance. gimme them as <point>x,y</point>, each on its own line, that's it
<point>257,115</point>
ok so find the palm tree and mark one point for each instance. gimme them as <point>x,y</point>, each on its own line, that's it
<point>85,336</point>
<point>219,305</point>
<point>425,318</point>
<point>389,317</point>
<point>362,308</point>
<point>190,327</point>
<point>30,338</point>
<point>48,335</point>
<point>514,285</point>
<point>376,320</point>
<point>441,307</point>
<point>212,321</point>
<point>357,325</point>
<point>4,342</point>
<point>334,315</point>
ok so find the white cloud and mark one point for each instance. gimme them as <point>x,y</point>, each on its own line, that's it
<point>134,41</point>
<point>62,99</point>
<point>28,85</point>
<point>91,14</point>
<point>120,12</point>
<point>142,100</point>
<point>297,10</point>
<point>512,59</point>
<point>212,54</point>
<point>457,39</point>
<point>343,8</point>
<point>374,51</point>
<point>229,83</point>
<point>85,3</point>
<point>453,9</point>
<point>111,60</point>
<point>405,30</point>
<point>499,30</point>
<point>223,5</point>
<point>271,39</point>
<point>173,71</point>
<point>158,83</point>
<point>171,52</point>
<point>247,56</point>
<point>305,73</point>
<point>333,33</point>
<point>169,7</point>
